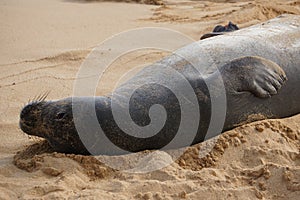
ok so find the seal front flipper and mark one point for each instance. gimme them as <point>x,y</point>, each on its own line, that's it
<point>260,76</point>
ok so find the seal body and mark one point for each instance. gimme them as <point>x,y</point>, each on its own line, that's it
<point>258,68</point>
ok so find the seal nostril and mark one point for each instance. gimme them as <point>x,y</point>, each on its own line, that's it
<point>27,123</point>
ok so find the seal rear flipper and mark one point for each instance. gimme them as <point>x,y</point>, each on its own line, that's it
<point>220,30</point>
<point>212,34</point>
<point>260,76</point>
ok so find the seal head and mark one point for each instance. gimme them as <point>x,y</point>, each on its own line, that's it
<point>52,120</point>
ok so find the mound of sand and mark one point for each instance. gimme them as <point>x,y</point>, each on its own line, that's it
<point>258,160</point>
<point>243,13</point>
<point>43,50</point>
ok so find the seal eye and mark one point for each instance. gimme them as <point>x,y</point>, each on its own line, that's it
<point>60,115</point>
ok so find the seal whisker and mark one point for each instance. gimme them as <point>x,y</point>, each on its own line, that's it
<point>44,96</point>
<point>38,97</point>
<point>34,99</point>
<point>30,100</point>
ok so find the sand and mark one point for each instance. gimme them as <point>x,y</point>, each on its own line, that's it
<point>43,44</point>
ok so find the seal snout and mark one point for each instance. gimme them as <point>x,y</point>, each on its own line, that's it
<point>29,118</point>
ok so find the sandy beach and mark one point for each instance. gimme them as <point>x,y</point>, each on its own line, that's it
<point>43,44</point>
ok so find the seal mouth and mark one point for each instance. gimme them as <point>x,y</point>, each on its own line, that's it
<point>28,128</point>
<point>25,126</point>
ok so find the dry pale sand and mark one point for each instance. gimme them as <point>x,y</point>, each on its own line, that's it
<point>43,44</point>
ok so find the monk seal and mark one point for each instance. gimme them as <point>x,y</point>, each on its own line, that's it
<point>220,30</point>
<point>259,67</point>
